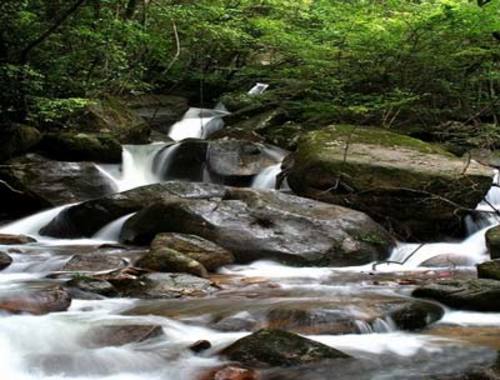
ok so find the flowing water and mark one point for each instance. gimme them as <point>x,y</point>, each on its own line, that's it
<point>58,345</point>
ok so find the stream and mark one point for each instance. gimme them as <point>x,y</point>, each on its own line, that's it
<point>58,345</point>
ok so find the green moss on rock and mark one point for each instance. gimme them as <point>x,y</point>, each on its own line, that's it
<point>415,188</point>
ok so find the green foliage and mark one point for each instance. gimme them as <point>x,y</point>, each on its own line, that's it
<point>393,62</point>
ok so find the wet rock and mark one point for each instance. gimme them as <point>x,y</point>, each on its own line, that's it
<point>232,372</point>
<point>478,295</point>
<point>164,285</point>
<point>85,219</point>
<point>18,139</point>
<point>93,262</point>
<point>311,321</point>
<point>81,147</point>
<point>15,202</point>
<point>8,239</point>
<point>164,259</point>
<point>398,180</point>
<point>189,156</point>
<point>37,302</point>
<point>278,348</point>
<point>5,260</point>
<point>489,270</point>
<point>55,183</point>
<point>159,111</point>
<point>416,315</point>
<point>106,336</point>
<point>239,158</point>
<point>447,260</point>
<point>493,242</point>
<point>210,255</point>
<point>200,345</point>
<point>256,224</point>
<point>112,116</point>
<point>228,161</point>
<point>93,286</point>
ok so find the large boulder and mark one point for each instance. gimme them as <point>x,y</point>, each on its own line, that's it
<point>81,147</point>
<point>277,348</point>
<point>412,187</point>
<point>252,224</point>
<point>86,218</point>
<point>54,183</point>
<point>479,295</point>
<point>493,242</point>
<point>159,111</point>
<point>255,225</point>
<point>209,254</point>
<point>16,140</point>
<point>489,269</point>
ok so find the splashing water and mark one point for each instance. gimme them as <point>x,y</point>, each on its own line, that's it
<point>197,123</point>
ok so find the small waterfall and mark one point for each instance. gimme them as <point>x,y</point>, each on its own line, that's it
<point>258,89</point>
<point>111,231</point>
<point>267,178</point>
<point>31,225</point>
<point>163,161</point>
<point>377,326</point>
<point>198,123</point>
<point>136,169</point>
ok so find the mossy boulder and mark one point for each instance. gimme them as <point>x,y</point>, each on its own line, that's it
<point>81,147</point>
<point>413,187</point>
<point>493,242</point>
<point>112,116</point>
<point>489,269</point>
<point>205,252</point>
<point>16,140</point>
<point>477,295</point>
<point>278,348</point>
<point>164,259</point>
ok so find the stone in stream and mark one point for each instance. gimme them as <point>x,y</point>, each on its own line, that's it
<point>93,262</point>
<point>37,302</point>
<point>86,218</point>
<point>8,239</point>
<point>5,260</point>
<point>477,295</point>
<point>448,260</point>
<point>72,146</point>
<point>91,286</point>
<point>252,224</point>
<point>415,315</point>
<point>410,186</point>
<point>163,285</point>
<point>55,183</point>
<point>257,225</point>
<point>105,336</point>
<point>164,259</point>
<point>489,270</point>
<point>493,242</point>
<point>277,348</point>
<point>210,255</point>
<point>231,372</point>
